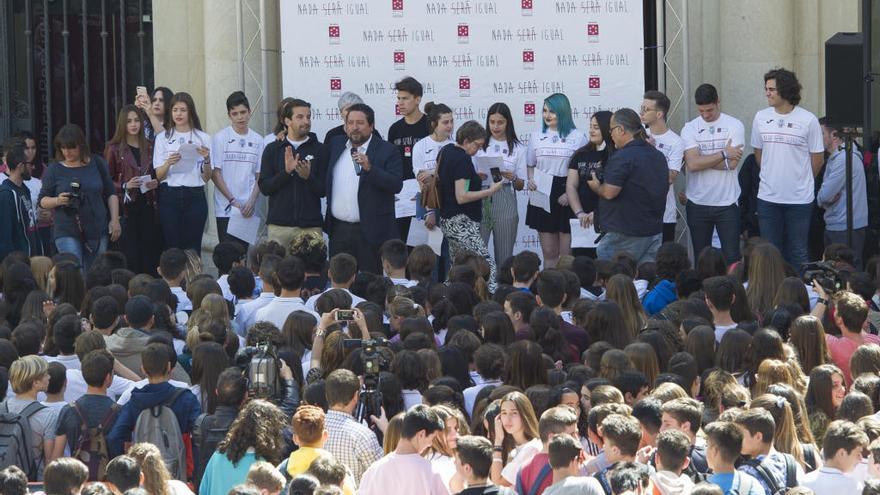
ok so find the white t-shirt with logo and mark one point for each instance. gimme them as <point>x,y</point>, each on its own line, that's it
<point>672,147</point>
<point>165,145</point>
<point>514,160</point>
<point>424,153</point>
<point>711,187</point>
<point>786,142</point>
<point>551,153</point>
<point>238,159</point>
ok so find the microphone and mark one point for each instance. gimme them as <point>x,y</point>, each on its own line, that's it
<point>357,166</point>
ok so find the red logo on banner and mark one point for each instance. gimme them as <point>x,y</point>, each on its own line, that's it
<point>528,59</point>
<point>463,33</point>
<point>397,8</point>
<point>529,111</point>
<point>335,86</point>
<point>464,86</point>
<point>594,85</point>
<point>593,32</point>
<point>399,59</point>
<point>334,33</point>
<point>526,7</point>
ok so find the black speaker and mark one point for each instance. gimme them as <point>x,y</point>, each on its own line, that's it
<point>844,80</point>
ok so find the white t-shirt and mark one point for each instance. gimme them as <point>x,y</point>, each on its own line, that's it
<point>238,159</point>
<point>551,153</point>
<point>424,153</point>
<point>713,187</point>
<point>518,457</point>
<point>786,142</point>
<point>34,185</point>
<point>402,474</point>
<point>165,145</point>
<point>576,485</point>
<point>514,160</point>
<point>672,148</point>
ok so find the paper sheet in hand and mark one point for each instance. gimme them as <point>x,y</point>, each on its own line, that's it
<point>189,159</point>
<point>581,237</point>
<point>243,228</point>
<point>405,200</point>
<point>144,179</point>
<point>483,164</point>
<point>419,234</point>
<point>540,200</point>
<point>543,181</point>
<point>435,240</point>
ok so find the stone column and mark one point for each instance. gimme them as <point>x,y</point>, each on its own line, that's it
<point>756,36</point>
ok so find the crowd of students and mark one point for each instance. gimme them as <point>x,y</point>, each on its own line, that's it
<point>128,368</point>
<point>595,376</point>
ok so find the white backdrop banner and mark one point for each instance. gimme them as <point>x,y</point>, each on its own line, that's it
<point>467,54</point>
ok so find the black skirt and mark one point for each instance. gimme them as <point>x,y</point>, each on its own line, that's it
<point>556,221</point>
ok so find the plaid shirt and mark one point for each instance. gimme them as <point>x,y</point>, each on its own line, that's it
<point>351,443</point>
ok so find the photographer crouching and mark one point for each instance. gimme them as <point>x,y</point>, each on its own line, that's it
<point>269,376</point>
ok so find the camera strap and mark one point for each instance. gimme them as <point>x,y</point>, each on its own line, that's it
<point>82,233</point>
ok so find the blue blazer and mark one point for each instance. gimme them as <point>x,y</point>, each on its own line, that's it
<point>376,188</point>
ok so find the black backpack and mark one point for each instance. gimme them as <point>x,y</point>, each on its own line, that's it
<point>211,430</point>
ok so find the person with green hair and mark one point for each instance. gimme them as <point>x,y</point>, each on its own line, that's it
<point>547,157</point>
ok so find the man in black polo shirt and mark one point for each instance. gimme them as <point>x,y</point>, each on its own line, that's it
<point>632,198</point>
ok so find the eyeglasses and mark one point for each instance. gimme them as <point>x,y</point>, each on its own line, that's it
<point>646,109</point>
<point>611,131</point>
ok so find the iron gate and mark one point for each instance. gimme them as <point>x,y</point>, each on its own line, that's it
<point>73,61</point>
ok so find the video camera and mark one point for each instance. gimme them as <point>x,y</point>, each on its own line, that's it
<point>824,272</point>
<point>370,402</point>
<point>260,365</point>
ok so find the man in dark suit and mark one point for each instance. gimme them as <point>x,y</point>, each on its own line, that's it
<point>363,173</point>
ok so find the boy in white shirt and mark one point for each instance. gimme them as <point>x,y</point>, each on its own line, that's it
<point>789,149</point>
<point>842,449</point>
<point>393,253</point>
<point>410,472</point>
<point>236,153</point>
<point>713,144</point>
<point>655,106</point>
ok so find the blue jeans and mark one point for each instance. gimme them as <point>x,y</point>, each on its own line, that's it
<point>183,212</point>
<point>642,249</point>
<point>701,220</point>
<point>786,227</point>
<point>75,246</point>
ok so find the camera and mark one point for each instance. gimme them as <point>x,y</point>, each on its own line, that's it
<point>75,194</point>
<point>370,402</point>
<point>260,365</point>
<point>824,272</point>
<point>345,315</point>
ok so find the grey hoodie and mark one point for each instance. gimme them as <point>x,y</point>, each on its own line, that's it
<point>126,345</point>
<point>669,483</point>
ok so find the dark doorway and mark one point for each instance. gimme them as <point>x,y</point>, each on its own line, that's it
<point>72,61</point>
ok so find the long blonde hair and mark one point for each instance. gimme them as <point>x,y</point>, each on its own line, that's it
<point>772,371</point>
<point>392,433</point>
<point>766,273</point>
<point>621,290</point>
<point>152,465</point>
<point>785,438</point>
